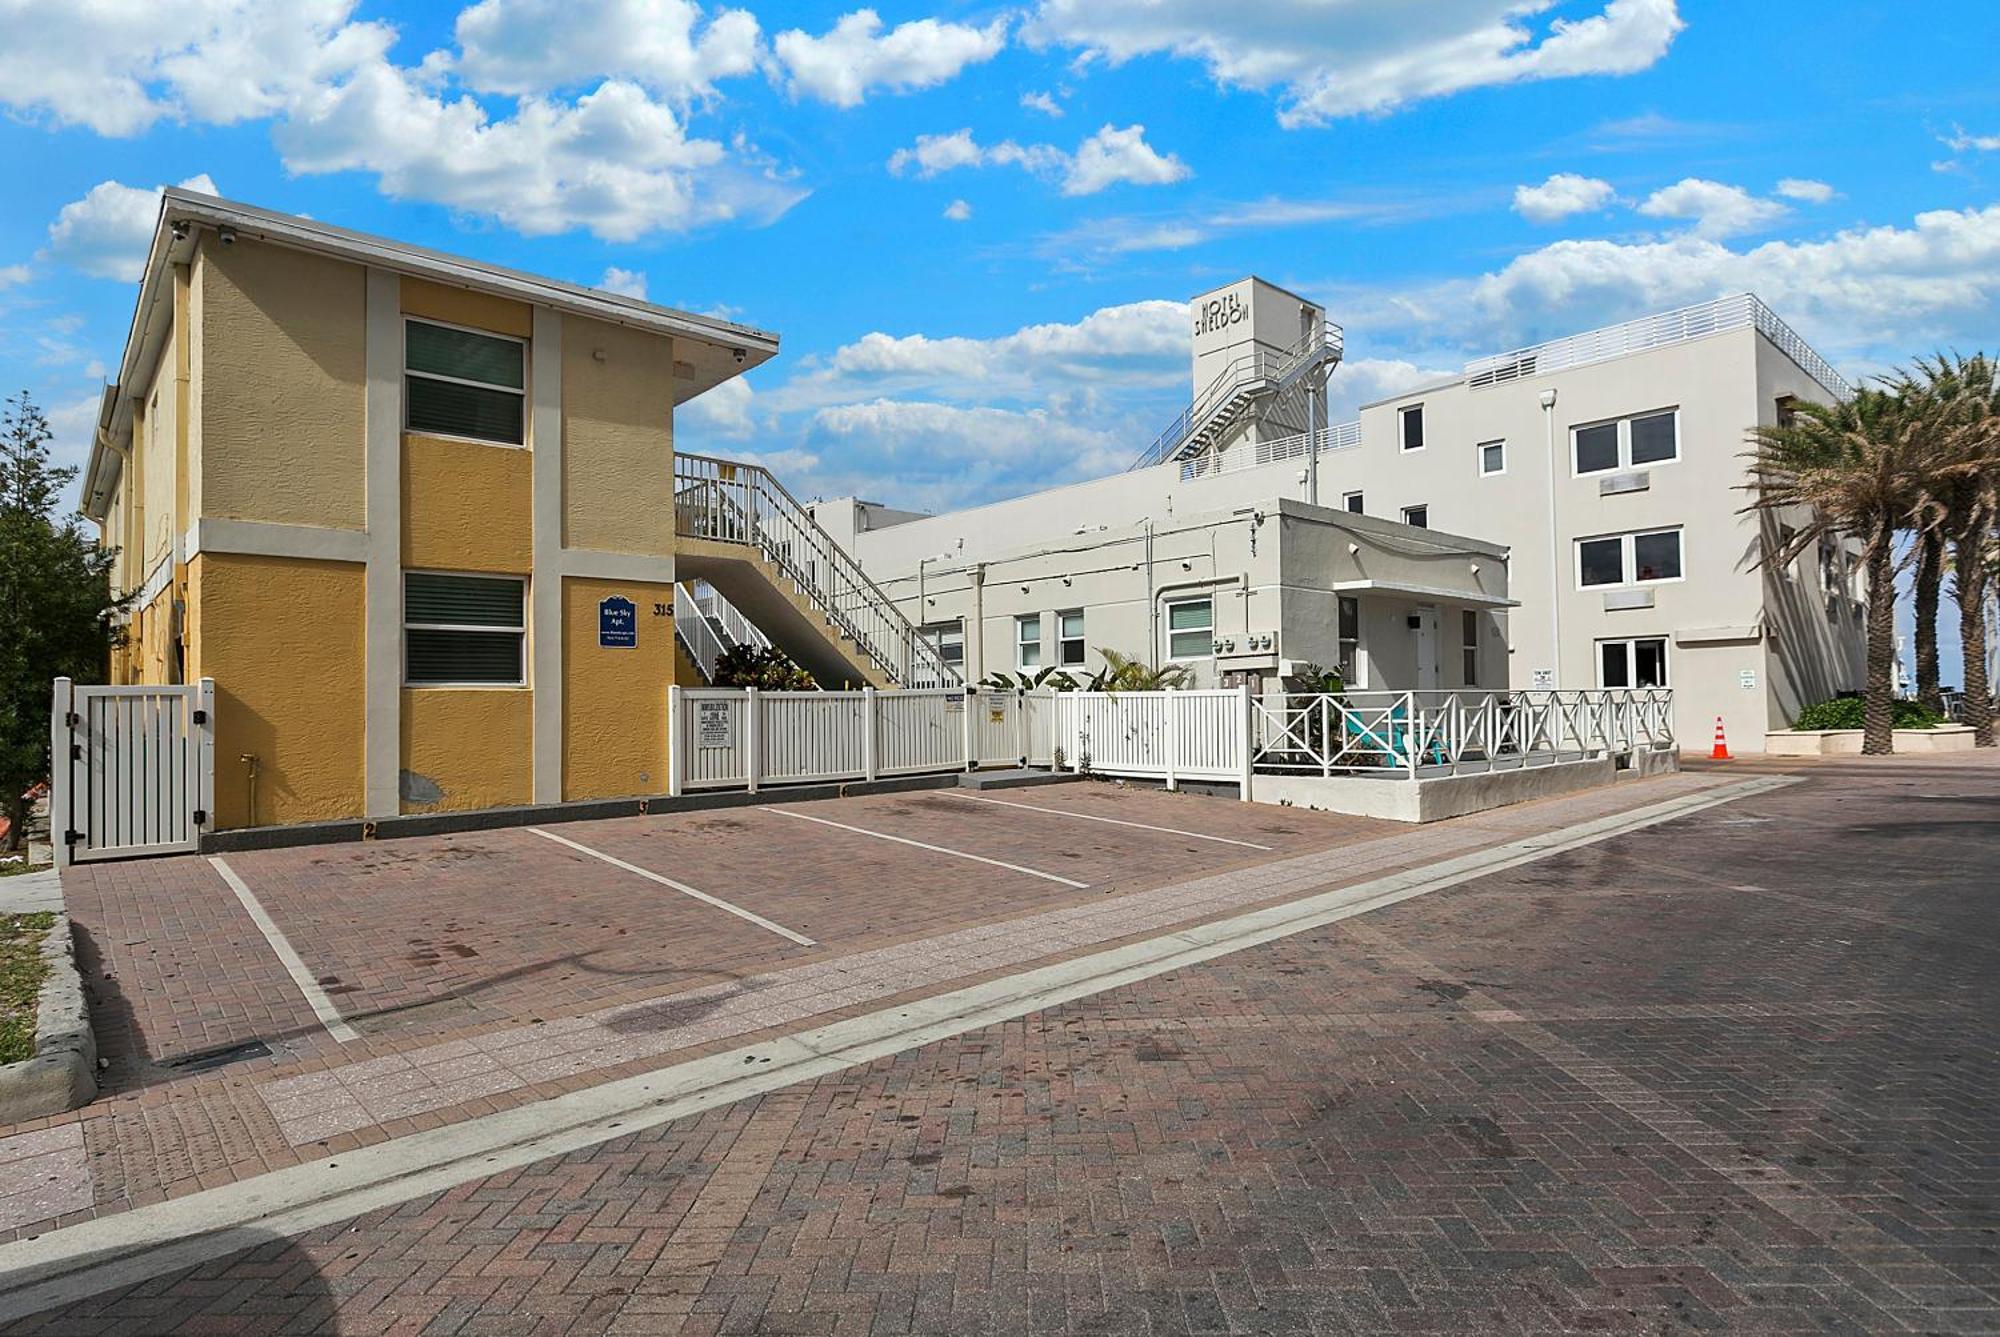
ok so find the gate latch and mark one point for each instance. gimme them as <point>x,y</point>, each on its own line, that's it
<point>72,836</point>
<point>76,751</point>
<point>201,717</point>
<point>200,816</point>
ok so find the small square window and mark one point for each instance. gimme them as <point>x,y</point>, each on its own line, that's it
<point>1657,556</point>
<point>948,638</point>
<point>1413,427</point>
<point>463,630</point>
<point>1492,458</point>
<point>1069,638</point>
<point>1597,448</point>
<point>1191,629</point>
<point>1417,516</point>
<point>1601,561</point>
<point>1352,501</point>
<point>1655,439</point>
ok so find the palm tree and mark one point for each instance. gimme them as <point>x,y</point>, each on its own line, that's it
<point>1929,585</point>
<point>1126,674</point>
<point>1850,468</point>
<point>1960,498</point>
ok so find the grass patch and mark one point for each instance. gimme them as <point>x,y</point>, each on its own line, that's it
<point>21,973</point>
<point>16,867</point>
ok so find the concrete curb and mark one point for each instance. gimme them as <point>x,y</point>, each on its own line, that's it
<point>63,1073</point>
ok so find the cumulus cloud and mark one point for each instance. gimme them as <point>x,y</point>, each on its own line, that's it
<point>531,47</point>
<point>948,455</point>
<point>13,275</point>
<point>856,56</point>
<point>1109,157</point>
<point>1561,195</point>
<point>106,233</point>
<point>724,410</point>
<point>958,211</point>
<point>1806,191</point>
<point>1334,60</point>
<point>1041,102</point>
<point>624,282</point>
<point>1958,141</point>
<point>1715,209</point>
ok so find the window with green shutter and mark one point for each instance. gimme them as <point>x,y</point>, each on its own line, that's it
<point>464,630</point>
<point>464,383</point>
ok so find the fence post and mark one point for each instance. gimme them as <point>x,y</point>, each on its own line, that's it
<point>61,778</point>
<point>1076,700</point>
<point>868,732</point>
<point>1243,739</point>
<point>676,728</point>
<point>1412,731</point>
<point>1021,724</point>
<point>1170,736</point>
<point>204,754</point>
<point>968,725</point>
<point>753,739</point>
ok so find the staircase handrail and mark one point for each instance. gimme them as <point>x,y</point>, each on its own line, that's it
<point>692,626</point>
<point>1314,349</point>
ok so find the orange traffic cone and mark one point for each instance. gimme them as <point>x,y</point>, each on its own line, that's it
<point>1720,752</point>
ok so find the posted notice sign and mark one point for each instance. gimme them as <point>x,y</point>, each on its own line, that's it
<point>714,724</point>
<point>617,623</point>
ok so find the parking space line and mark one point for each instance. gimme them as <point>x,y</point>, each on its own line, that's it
<point>682,887</point>
<point>295,966</point>
<point>1114,821</point>
<point>935,849</point>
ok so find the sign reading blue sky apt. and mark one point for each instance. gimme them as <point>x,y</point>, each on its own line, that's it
<point>617,623</point>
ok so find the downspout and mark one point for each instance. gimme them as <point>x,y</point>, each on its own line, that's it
<point>1152,601</point>
<point>975,648</point>
<point>1555,569</point>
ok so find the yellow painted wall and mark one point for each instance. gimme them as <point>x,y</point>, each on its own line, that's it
<point>282,365</point>
<point>156,446</point>
<point>615,701</point>
<point>475,745</point>
<point>282,638</point>
<point>462,306</point>
<point>618,443</point>
<point>466,506</point>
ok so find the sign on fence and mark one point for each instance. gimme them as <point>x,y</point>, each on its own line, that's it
<point>714,724</point>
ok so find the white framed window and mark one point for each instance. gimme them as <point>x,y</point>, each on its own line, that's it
<point>1410,424</point>
<point>464,383</point>
<point>1492,458</point>
<point>947,638</point>
<point>1350,641</point>
<point>1638,662</point>
<point>1418,516</point>
<point>1469,645</point>
<point>1645,558</point>
<point>1069,638</point>
<point>1352,501</point>
<point>1634,442</point>
<point>1191,628</point>
<point>464,631</point>
<point>1028,640</point>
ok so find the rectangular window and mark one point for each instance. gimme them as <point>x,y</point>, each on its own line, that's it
<point>1641,662</point>
<point>1492,458</point>
<point>1028,640</point>
<point>1413,427</point>
<point>1069,638</point>
<point>463,383</point>
<point>1417,516</point>
<point>1350,640</point>
<point>1191,629</point>
<point>1352,501</point>
<point>464,630</point>
<point>1470,644</point>
<point>1622,559</point>
<point>1627,443</point>
<point>948,638</point>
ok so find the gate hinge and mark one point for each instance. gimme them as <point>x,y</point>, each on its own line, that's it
<point>76,751</point>
<point>201,717</point>
<point>200,816</point>
<point>71,719</point>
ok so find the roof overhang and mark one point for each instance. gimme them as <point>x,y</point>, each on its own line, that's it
<point>1425,593</point>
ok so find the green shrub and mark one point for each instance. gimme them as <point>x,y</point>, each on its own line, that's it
<point>1848,713</point>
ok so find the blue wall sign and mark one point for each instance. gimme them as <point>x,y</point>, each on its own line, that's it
<point>617,623</point>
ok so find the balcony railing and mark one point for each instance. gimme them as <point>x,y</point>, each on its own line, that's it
<point>1341,436</point>
<point>1258,372</point>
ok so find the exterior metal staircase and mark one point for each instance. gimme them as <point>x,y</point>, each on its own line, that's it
<point>741,532</point>
<point>709,626</point>
<point>1258,380</point>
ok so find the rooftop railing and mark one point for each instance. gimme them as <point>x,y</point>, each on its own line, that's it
<point>1340,436</point>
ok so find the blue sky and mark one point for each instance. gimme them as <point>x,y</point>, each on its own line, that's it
<point>974,225</point>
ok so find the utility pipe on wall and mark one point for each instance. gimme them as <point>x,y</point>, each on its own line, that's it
<point>1555,568</point>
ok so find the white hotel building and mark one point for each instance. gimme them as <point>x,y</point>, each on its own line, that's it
<point>1567,515</point>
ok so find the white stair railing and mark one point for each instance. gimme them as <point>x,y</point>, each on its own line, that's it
<point>1260,373</point>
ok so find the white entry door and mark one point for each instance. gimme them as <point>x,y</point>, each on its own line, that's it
<point>1427,649</point>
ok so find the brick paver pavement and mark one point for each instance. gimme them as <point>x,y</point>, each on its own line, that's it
<point>1735,1071</point>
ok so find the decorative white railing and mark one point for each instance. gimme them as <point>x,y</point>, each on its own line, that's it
<point>1450,733</point>
<point>1340,436</point>
<point>1257,371</point>
<point>736,629</point>
<point>704,646</point>
<point>1657,331</point>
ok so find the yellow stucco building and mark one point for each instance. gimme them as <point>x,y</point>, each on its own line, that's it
<point>412,513</point>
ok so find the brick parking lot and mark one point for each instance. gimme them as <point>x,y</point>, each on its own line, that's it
<point>1730,1071</point>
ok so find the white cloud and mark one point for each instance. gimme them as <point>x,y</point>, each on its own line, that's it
<point>724,410</point>
<point>1114,344</point>
<point>1104,159</point>
<point>1041,102</point>
<point>529,47</point>
<point>106,233</point>
<point>624,282</point>
<point>947,455</point>
<point>1715,209</point>
<point>856,56</point>
<point>1958,141</point>
<point>1806,191</point>
<point>13,275</point>
<point>1365,380</point>
<point>1366,56</point>
<point>958,211</point>
<point>1561,195</point>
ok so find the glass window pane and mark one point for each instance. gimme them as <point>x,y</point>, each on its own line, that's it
<point>1654,439</point>
<point>1650,662</point>
<point>1617,664</point>
<point>1418,517</point>
<point>484,601</point>
<point>462,656</point>
<point>463,410</point>
<point>1072,625</point>
<point>1597,448</point>
<point>1189,644</point>
<point>1657,556</point>
<point>1354,502</point>
<point>1602,561</point>
<point>461,353</point>
<point>1492,457</point>
<point>1197,615</point>
<point>1350,618</point>
<point>1413,428</point>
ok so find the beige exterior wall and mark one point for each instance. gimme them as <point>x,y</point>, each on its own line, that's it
<point>617,477</point>
<point>466,506</point>
<point>466,747</point>
<point>615,699</point>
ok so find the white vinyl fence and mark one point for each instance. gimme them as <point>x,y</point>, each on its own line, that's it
<point>1171,736</point>
<point>132,769</point>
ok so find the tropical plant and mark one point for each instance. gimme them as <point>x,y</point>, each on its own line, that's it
<point>1926,585</point>
<point>1847,713</point>
<point>1849,468</point>
<point>767,668</point>
<point>1125,673</point>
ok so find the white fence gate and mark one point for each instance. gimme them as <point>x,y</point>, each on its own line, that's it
<point>132,770</point>
<point>1173,736</point>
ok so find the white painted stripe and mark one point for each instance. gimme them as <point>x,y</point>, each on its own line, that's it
<point>935,849</point>
<point>1093,817</point>
<point>682,887</point>
<point>125,1248</point>
<point>316,998</point>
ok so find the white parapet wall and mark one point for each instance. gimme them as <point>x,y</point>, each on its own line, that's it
<point>1434,798</point>
<point>1847,742</point>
